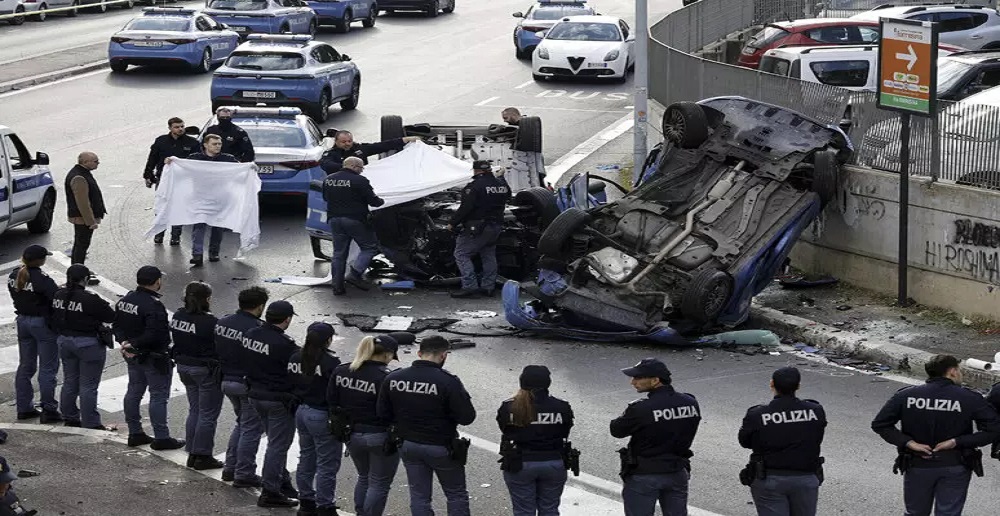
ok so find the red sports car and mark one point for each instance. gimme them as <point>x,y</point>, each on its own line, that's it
<point>812,32</point>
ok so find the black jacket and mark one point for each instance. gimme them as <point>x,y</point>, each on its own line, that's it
<point>78,312</point>
<point>235,141</point>
<point>221,157</point>
<point>229,335</point>
<point>269,349</point>
<point>194,338</point>
<point>662,427</point>
<point>166,146</point>
<point>349,194</point>
<point>426,403</point>
<point>93,193</point>
<point>935,412</point>
<point>333,159</point>
<point>311,388</point>
<point>542,439</point>
<point>141,319</point>
<point>787,433</point>
<point>484,198</point>
<point>356,392</point>
<point>35,299</point>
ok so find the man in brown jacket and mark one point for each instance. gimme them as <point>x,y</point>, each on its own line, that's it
<point>84,203</point>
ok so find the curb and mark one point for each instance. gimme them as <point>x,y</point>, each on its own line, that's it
<point>906,359</point>
<point>34,80</point>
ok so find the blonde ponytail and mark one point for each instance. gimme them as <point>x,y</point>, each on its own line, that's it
<point>365,352</point>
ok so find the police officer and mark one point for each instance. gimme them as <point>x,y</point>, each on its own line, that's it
<point>193,331</point>
<point>319,450</point>
<point>480,215</point>
<point>32,290</point>
<point>241,452</point>
<point>348,194</point>
<point>937,445</point>
<point>271,385</point>
<point>656,465</point>
<point>78,317</point>
<point>353,394</point>
<point>426,404</point>
<point>142,329</point>
<point>785,436</point>
<point>173,144</point>
<point>235,141</point>
<point>994,399</point>
<point>345,147</point>
<point>535,426</point>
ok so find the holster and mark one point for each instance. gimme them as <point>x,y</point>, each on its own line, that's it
<point>392,442</point>
<point>754,470</point>
<point>458,450</point>
<point>571,458</point>
<point>105,336</point>
<point>340,425</point>
<point>627,462</point>
<point>819,469</point>
<point>511,459</point>
<point>903,462</point>
<point>973,459</point>
<point>475,227</point>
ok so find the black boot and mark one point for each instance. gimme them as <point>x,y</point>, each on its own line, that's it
<point>466,293</point>
<point>50,416</point>
<point>244,483</point>
<point>166,444</point>
<point>139,440</point>
<point>271,499</point>
<point>326,511</point>
<point>287,489</point>
<point>31,414</point>
<point>197,260</point>
<point>191,458</point>
<point>203,462</point>
<point>306,508</point>
<point>228,475</point>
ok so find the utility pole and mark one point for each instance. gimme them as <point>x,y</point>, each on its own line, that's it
<point>641,77</point>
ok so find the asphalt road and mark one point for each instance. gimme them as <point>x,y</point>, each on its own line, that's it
<point>455,68</point>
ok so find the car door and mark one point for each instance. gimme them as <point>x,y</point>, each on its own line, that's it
<point>205,35</point>
<point>301,16</point>
<point>339,71</point>
<point>360,9</point>
<point>629,40</point>
<point>958,28</point>
<point>18,160</point>
<point>5,193</point>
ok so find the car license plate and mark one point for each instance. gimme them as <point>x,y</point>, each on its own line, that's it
<point>239,29</point>
<point>147,43</point>
<point>597,65</point>
<point>266,169</point>
<point>260,94</point>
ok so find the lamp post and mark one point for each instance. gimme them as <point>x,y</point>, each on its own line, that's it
<point>641,77</point>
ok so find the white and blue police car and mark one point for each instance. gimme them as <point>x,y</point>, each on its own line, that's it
<point>171,35</point>
<point>27,194</point>
<point>541,17</point>
<point>287,70</point>
<point>341,13</point>
<point>264,16</point>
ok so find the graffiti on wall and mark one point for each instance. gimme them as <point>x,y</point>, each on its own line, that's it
<point>973,250</point>
<point>858,203</point>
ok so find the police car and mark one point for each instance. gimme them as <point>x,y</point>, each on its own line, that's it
<point>541,17</point>
<point>287,144</point>
<point>27,194</point>
<point>171,35</point>
<point>287,70</point>
<point>341,13</point>
<point>264,16</point>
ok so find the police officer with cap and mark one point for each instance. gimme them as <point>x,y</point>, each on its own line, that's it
<point>235,140</point>
<point>480,215</point>
<point>535,426</point>
<point>656,463</point>
<point>348,194</point>
<point>938,448</point>
<point>142,328</point>
<point>426,404</point>
<point>271,386</point>
<point>785,469</point>
<point>78,317</point>
<point>32,290</point>
<point>353,396</point>
<point>344,147</point>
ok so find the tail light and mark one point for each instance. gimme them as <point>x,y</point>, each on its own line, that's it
<point>530,28</point>
<point>119,39</point>
<point>299,165</point>
<point>180,41</point>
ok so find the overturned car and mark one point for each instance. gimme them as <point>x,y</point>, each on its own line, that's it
<point>734,185</point>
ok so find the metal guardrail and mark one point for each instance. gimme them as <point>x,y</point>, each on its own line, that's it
<point>968,136</point>
<point>27,15</point>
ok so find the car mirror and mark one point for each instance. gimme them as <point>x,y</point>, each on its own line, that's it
<point>192,130</point>
<point>41,158</point>
<point>541,33</point>
<point>331,133</point>
<point>518,14</point>
<point>345,57</point>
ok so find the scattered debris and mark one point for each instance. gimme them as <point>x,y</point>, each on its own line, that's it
<point>476,314</point>
<point>366,322</point>
<point>809,349</point>
<point>404,307</point>
<point>393,323</point>
<point>27,473</point>
<point>399,285</point>
<point>966,321</point>
<point>806,300</point>
<point>461,344</point>
<point>844,308</point>
<point>805,281</point>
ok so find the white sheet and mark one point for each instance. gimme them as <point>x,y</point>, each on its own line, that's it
<point>416,171</point>
<point>218,194</point>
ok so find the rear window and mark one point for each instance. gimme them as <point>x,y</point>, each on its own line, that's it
<point>554,13</point>
<point>159,23</point>
<point>267,61</point>
<point>775,65</point>
<point>844,35</point>
<point>238,5</point>
<point>768,37</point>
<point>266,135</point>
<point>841,73</point>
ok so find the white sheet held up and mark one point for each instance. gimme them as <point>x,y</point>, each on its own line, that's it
<point>414,172</point>
<point>218,194</point>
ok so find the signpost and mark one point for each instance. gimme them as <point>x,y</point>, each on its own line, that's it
<point>907,61</point>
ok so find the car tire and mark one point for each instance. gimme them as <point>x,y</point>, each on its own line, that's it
<point>706,296</point>
<point>344,25</point>
<point>121,67</point>
<point>43,221</point>
<point>392,127</point>
<point>685,124</point>
<point>128,4</point>
<point>100,7</point>
<point>451,7</point>
<point>369,22</point>
<point>553,241</point>
<point>352,102</point>
<point>17,20</point>
<point>826,176</point>
<point>322,110</point>
<point>40,14</point>
<point>433,9</point>
<point>73,13</point>
<point>313,27</point>
<point>529,134</point>
<point>205,65</point>
<point>542,201</point>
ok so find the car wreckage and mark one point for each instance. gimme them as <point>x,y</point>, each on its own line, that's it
<point>717,211</point>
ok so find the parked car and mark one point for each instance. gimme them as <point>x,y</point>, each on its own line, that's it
<point>14,7</point>
<point>967,26</point>
<point>342,13</point>
<point>171,35</point>
<point>264,16</point>
<point>27,192</point>
<point>431,8</point>
<point>807,32</point>
<point>737,182</point>
<point>541,17</point>
<point>599,47</point>
<point>102,6</point>
<point>965,73</point>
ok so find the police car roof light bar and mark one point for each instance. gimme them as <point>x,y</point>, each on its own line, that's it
<point>269,112</point>
<point>169,10</point>
<point>301,38</point>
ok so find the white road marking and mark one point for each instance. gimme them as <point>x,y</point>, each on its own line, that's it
<point>524,84</point>
<point>487,101</point>
<point>53,83</point>
<point>545,108</point>
<point>111,392</point>
<point>9,265</point>
<point>562,165</point>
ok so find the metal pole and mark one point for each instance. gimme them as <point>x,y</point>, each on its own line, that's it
<point>904,210</point>
<point>641,77</point>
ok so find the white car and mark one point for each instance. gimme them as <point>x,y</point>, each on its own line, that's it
<point>967,26</point>
<point>585,46</point>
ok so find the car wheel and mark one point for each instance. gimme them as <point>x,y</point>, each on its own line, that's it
<point>313,27</point>
<point>205,65</point>
<point>529,134</point>
<point>128,4</point>
<point>542,202</point>
<point>40,14</point>
<point>73,13</point>
<point>706,296</point>
<point>826,176</point>
<point>433,9</point>
<point>17,20</point>
<point>322,111</point>
<point>685,124</point>
<point>451,7</point>
<point>121,66</point>
<point>43,221</point>
<point>100,7</point>
<point>369,22</point>
<point>344,25</point>
<point>352,103</point>
<point>554,240</point>
<point>391,128</point>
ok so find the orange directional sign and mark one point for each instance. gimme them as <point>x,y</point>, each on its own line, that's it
<point>908,66</point>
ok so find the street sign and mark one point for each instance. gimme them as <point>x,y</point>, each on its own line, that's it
<point>907,62</point>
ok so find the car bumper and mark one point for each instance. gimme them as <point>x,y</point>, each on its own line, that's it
<point>526,40</point>
<point>150,56</point>
<point>289,181</point>
<point>241,93</point>
<point>561,68</point>
<point>404,5</point>
<point>244,25</point>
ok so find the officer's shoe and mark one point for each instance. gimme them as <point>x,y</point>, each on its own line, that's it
<point>174,242</point>
<point>166,444</point>
<point>339,291</point>
<point>71,423</point>
<point>158,239</point>
<point>228,475</point>
<point>488,292</point>
<point>243,483</point>
<point>270,499</point>
<point>50,416</point>
<point>354,278</point>
<point>213,258</point>
<point>30,414</point>
<point>466,293</point>
<point>327,511</point>
<point>190,461</point>
<point>306,508</point>
<point>203,462</point>
<point>287,489</point>
<point>139,440</point>
<point>197,260</point>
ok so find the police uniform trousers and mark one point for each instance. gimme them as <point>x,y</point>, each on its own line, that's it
<point>83,361</point>
<point>319,456</point>
<point>484,244</point>
<point>422,462</point>
<point>944,488</point>
<point>345,230</point>
<point>376,470</point>
<point>204,394</point>
<point>198,239</point>
<point>537,488</point>
<point>241,451</point>
<point>641,492</point>
<point>785,494</point>
<point>278,422</point>
<point>156,375</point>
<point>37,352</point>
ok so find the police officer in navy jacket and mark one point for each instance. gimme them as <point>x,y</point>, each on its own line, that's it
<point>345,147</point>
<point>348,194</point>
<point>480,217</point>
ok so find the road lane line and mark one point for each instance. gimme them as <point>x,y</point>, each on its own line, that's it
<point>9,265</point>
<point>487,101</point>
<point>53,83</point>
<point>524,84</point>
<point>545,108</point>
<point>562,165</point>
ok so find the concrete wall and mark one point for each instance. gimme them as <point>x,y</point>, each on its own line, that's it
<point>954,241</point>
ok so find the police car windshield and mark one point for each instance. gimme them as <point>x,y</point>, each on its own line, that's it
<point>238,5</point>
<point>584,31</point>
<point>274,134</point>
<point>554,13</point>
<point>267,61</point>
<point>159,23</point>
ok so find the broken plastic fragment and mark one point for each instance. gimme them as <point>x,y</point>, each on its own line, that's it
<point>809,349</point>
<point>742,337</point>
